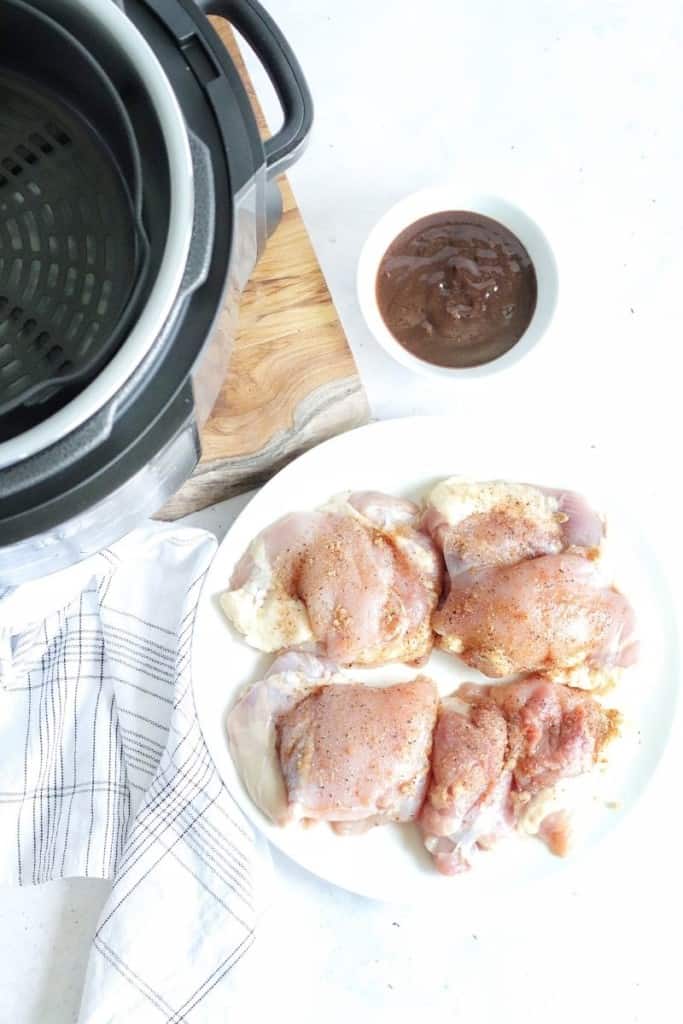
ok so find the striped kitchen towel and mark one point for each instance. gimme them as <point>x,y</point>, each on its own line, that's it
<point>104,773</point>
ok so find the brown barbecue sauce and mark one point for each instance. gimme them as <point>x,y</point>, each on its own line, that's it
<point>456,289</point>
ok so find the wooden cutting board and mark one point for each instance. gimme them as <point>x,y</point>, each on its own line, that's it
<point>292,382</point>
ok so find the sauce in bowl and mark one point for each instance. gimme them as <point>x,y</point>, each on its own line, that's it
<point>456,289</point>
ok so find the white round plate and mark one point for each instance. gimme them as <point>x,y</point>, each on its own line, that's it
<point>405,457</point>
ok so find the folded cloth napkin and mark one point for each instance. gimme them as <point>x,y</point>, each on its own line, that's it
<point>104,773</point>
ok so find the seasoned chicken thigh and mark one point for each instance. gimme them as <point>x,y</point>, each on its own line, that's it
<point>359,753</point>
<point>467,799</point>
<point>354,581</point>
<point>503,757</point>
<point>554,614</point>
<point>252,726</point>
<point>554,732</point>
<point>497,523</point>
<point>311,745</point>
<point>524,592</point>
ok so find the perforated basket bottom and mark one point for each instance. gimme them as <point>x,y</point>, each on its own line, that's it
<point>68,246</point>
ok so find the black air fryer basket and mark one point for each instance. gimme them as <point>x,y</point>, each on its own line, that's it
<point>73,250</point>
<point>136,194</point>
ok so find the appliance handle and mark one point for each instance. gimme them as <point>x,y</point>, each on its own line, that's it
<point>260,31</point>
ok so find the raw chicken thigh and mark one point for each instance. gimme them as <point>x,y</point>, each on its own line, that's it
<point>525,591</point>
<point>354,581</point>
<point>252,726</point>
<point>467,799</point>
<point>554,614</point>
<point>496,523</point>
<point>311,745</point>
<point>501,758</point>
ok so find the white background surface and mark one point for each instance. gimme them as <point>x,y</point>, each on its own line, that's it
<point>572,110</point>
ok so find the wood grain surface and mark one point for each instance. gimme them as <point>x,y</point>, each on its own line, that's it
<point>292,381</point>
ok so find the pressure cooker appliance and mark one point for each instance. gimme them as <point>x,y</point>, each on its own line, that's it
<point>135,198</point>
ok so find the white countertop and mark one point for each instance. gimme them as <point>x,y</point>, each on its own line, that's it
<point>573,111</point>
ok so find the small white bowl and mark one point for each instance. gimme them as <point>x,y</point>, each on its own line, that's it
<point>436,200</point>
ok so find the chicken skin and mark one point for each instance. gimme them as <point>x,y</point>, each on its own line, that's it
<point>525,591</point>
<point>311,745</point>
<point>467,799</point>
<point>497,523</point>
<point>553,614</point>
<point>252,726</point>
<point>500,757</point>
<point>354,581</point>
<point>358,753</point>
